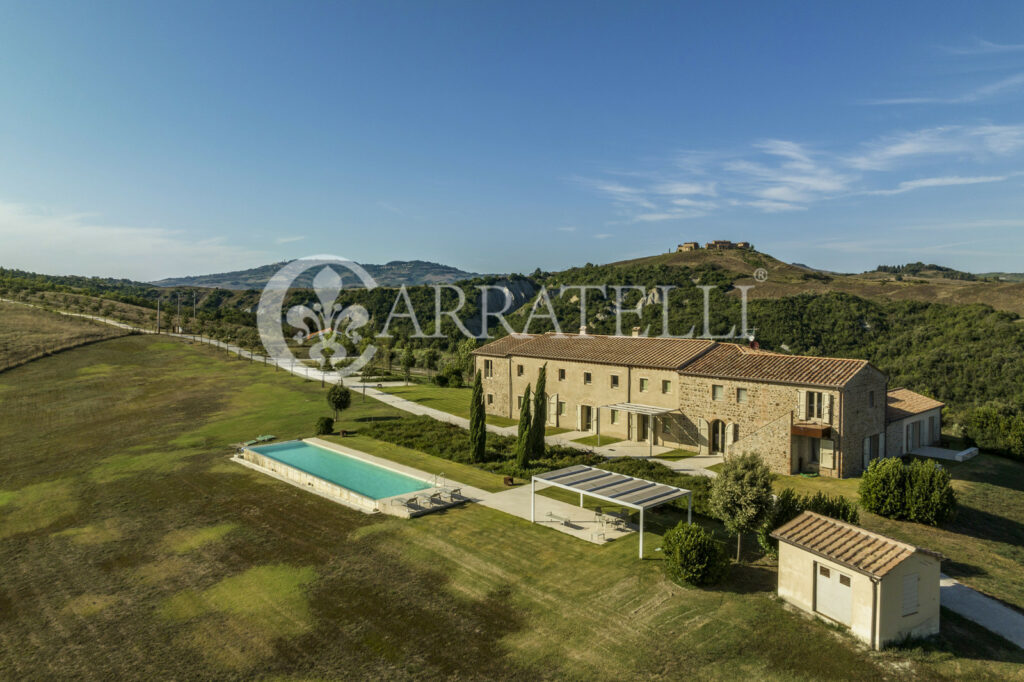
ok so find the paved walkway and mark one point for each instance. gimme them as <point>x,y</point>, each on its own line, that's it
<point>983,610</point>
<point>570,519</point>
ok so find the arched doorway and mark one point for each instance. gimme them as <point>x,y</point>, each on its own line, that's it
<point>718,436</point>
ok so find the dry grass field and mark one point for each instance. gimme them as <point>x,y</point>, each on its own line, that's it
<point>29,333</point>
<point>133,548</point>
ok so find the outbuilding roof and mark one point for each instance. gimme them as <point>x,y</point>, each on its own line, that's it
<point>901,403</point>
<point>634,351</point>
<point>846,544</point>
<point>732,361</point>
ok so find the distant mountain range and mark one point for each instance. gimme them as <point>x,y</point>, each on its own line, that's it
<point>393,274</point>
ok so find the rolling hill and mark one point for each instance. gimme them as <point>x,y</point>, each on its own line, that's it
<point>393,274</point>
<point>918,282</point>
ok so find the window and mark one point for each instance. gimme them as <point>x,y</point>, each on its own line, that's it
<point>615,381</point>
<point>873,447</point>
<point>741,395</point>
<point>519,370</point>
<point>643,385</point>
<point>844,580</point>
<point>910,594</point>
<point>666,386</point>
<point>615,416</point>
<point>871,398</point>
<point>488,368</point>
<point>561,407</point>
<point>490,398</point>
<point>587,377</point>
<point>519,402</point>
<point>561,375</point>
<point>825,573</point>
<point>717,392</point>
<point>814,402</point>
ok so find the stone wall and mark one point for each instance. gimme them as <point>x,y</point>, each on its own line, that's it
<point>858,419</point>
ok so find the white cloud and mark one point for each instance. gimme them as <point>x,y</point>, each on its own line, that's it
<point>603,235</point>
<point>289,240</point>
<point>53,242</point>
<point>949,181</point>
<point>1009,83</point>
<point>985,47</point>
<point>567,228</point>
<point>775,206</point>
<point>777,175</point>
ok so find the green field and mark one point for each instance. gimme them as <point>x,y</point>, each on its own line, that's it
<point>133,548</point>
<point>983,545</point>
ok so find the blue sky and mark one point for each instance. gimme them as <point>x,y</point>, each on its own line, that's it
<point>153,139</point>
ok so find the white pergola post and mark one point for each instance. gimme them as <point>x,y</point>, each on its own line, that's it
<point>581,499</point>
<point>689,509</point>
<point>650,436</point>
<point>598,432</point>
<point>533,502</point>
<point>641,532</point>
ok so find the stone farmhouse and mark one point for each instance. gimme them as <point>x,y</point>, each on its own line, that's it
<point>802,414</point>
<point>716,245</point>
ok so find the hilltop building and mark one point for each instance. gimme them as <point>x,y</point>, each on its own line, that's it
<point>716,245</point>
<point>802,414</point>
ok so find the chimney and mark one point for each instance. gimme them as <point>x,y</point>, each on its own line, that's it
<point>583,330</point>
<point>754,345</point>
<point>636,331</point>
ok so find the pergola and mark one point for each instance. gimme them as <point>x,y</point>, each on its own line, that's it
<point>635,493</point>
<point>636,408</point>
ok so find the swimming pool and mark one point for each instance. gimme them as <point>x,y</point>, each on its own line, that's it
<point>364,478</point>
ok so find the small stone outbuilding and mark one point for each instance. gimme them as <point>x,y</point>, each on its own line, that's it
<point>882,589</point>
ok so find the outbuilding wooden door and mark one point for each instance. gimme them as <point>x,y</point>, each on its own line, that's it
<point>833,596</point>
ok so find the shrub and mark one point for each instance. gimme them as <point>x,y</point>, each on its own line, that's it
<point>441,380</point>
<point>883,487</point>
<point>324,426</point>
<point>693,556</point>
<point>455,380</point>
<point>788,505</point>
<point>930,496</point>
<point>921,492</point>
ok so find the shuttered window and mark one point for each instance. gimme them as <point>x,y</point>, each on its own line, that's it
<point>910,594</point>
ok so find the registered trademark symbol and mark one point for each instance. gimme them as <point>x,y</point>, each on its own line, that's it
<point>761,275</point>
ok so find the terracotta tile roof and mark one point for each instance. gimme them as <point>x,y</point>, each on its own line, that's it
<point>846,544</point>
<point>902,402</point>
<point>732,361</point>
<point>634,351</point>
<point>505,345</point>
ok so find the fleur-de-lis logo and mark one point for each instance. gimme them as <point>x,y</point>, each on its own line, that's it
<point>328,320</point>
<point>325,325</point>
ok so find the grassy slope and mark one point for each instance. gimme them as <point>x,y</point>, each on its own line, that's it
<point>983,545</point>
<point>27,333</point>
<point>131,546</point>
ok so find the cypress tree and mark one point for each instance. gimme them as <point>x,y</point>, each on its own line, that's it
<point>477,422</point>
<point>535,449</point>
<point>523,440</point>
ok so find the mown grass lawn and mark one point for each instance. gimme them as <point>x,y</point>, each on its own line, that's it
<point>451,400</point>
<point>133,548</point>
<point>983,545</point>
<point>592,440</point>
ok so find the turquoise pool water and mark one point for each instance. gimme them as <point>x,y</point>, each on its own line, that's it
<point>358,476</point>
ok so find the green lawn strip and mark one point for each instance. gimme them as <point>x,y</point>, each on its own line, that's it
<point>552,430</point>
<point>715,467</point>
<point>463,473</point>
<point>677,454</point>
<point>983,544</point>
<point>593,440</point>
<point>451,400</point>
